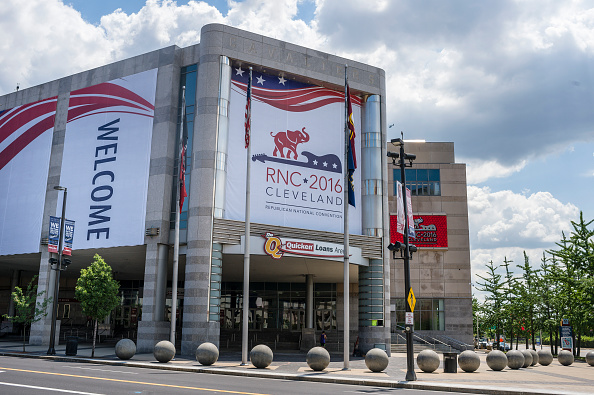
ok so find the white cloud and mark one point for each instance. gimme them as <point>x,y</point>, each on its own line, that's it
<point>505,219</point>
<point>478,171</point>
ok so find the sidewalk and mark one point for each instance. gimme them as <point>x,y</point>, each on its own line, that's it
<point>553,379</point>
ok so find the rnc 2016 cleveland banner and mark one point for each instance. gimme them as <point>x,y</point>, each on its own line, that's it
<point>297,149</point>
<point>25,145</point>
<point>105,164</point>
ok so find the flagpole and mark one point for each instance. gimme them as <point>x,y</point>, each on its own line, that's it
<point>177,215</point>
<point>246,253</point>
<point>346,226</point>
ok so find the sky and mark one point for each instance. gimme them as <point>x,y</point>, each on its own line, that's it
<point>510,82</point>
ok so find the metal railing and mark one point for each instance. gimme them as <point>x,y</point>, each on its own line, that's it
<point>421,338</point>
<point>457,344</point>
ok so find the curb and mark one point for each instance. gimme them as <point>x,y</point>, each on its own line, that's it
<point>319,377</point>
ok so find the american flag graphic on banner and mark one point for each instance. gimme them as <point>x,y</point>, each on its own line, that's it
<point>286,94</point>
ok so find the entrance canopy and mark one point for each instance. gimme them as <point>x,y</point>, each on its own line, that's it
<point>275,259</point>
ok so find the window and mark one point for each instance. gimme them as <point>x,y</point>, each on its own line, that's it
<point>421,182</point>
<point>429,314</point>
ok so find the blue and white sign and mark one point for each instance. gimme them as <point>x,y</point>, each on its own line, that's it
<point>566,335</point>
<point>68,236</point>
<point>54,234</point>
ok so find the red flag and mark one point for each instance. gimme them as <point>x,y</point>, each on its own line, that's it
<point>182,176</point>
<point>248,111</point>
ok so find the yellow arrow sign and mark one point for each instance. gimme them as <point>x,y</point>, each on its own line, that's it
<point>411,300</point>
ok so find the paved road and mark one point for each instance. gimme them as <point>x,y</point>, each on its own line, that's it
<point>25,376</point>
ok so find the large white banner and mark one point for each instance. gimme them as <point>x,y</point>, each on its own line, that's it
<point>297,148</point>
<point>25,147</point>
<point>106,159</point>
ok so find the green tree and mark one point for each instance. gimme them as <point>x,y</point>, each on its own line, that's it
<point>493,286</point>
<point>528,297</point>
<point>511,300</point>
<point>545,289</point>
<point>97,292</point>
<point>27,309</point>
<point>576,254</point>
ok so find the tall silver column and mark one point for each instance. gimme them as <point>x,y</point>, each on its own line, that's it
<point>372,314</point>
<point>216,267</point>
<point>222,137</point>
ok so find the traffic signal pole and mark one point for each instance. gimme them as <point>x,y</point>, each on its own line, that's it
<point>410,356</point>
<point>406,251</point>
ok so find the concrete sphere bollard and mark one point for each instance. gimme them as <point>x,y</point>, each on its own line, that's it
<point>545,357</point>
<point>376,360</point>
<point>207,354</point>
<point>565,357</point>
<point>534,357</point>
<point>590,358</point>
<point>125,349</point>
<point>318,358</point>
<point>469,361</point>
<point>428,361</point>
<point>515,359</point>
<point>527,358</point>
<point>164,351</point>
<point>496,360</point>
<point>261,356</point>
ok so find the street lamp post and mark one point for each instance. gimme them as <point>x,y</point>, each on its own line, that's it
<point>407,252</point>
<point>51,350</point>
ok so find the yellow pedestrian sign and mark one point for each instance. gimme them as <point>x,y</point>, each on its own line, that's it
<point>411,300</point>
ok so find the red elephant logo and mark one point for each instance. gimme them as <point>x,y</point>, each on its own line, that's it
<point>289,140</point>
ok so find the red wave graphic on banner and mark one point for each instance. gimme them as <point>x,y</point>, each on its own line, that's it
<point>83,102</point>
<point>13,124</point>
<point>296,100</point>
<point>89,101</point>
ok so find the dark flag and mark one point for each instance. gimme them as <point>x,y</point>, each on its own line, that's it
<point>248,111</point>
<point>351,154</point>
<point>182,175</point>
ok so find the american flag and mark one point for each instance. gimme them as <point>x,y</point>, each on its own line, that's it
<point>182,175</point>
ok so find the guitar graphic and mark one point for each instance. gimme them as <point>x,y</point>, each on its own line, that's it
<point>328,162</point>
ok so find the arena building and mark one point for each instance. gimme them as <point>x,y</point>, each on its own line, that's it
<point>110,135</point>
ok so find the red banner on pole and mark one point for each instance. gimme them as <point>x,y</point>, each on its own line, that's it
<point>431,231</point>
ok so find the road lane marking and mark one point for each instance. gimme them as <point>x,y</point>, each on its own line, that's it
<point>48,389</point>
<point>101,370</point>
<point>133,382</point>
